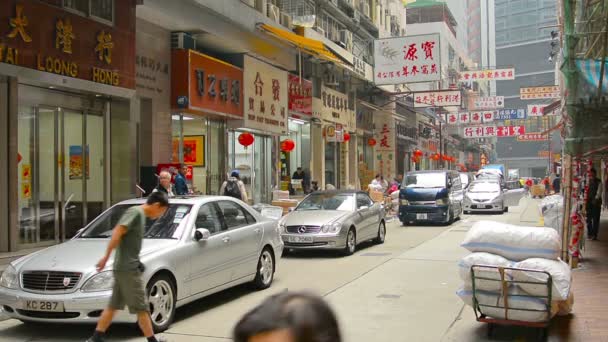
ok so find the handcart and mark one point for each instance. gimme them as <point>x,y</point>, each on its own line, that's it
<point>507,283</point>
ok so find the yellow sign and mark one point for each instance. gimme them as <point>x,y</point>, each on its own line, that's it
<point>26,172</point>
<point>64,35</point>
<point>26,190</point>
<point>18,23</point>
<point>104,47</point>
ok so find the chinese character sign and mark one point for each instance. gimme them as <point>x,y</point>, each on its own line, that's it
<point>476,117</point>
<point>441,98</point>
<point>531,93</point>
<point>266,101</point>
<point>407,59</point>
<point>488,102</point>
<point>488,75</point>
<point>335,107</point>
<point>536,109</point>
<point>532,137</point>
<point>464,118</point>
<point>510,114</point>
<point>452,118</point>
<point>493,131</point>
<point>300,95</point>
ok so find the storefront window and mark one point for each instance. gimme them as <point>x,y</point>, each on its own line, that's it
<point>299,132</point>
<point>123,184</point>
<point>256,165</point>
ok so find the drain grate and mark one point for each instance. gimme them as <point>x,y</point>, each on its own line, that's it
<point>389,296</point>
<point>375,254</point>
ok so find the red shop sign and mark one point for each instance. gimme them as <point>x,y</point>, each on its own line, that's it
<point>300,95</point>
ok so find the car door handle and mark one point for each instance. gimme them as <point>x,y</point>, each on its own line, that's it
<point>226,239</point>
<point>257,230</point>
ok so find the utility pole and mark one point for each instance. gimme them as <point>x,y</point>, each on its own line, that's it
<point>440,145</point>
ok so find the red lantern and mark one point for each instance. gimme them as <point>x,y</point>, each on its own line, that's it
<point>346,136</point>
<point>436,156</point>
<point>246,139</point>
<point>417,153</point>
<point>444,157</point>
<point>287,145</point>
<point>371,142</point>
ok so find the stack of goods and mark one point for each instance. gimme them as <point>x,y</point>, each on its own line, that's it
<point>366,176</point>
<point>498,245</point>
<point>552,211</point>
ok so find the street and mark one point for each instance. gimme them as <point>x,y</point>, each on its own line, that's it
<point>403,290</point>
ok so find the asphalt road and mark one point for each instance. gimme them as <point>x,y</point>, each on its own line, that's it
<point>403,290</point>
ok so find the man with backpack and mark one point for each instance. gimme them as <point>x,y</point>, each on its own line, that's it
<point>234,187</point>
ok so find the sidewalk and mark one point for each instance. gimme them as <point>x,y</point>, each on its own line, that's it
<point>590,286</point>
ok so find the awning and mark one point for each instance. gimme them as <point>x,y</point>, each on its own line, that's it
<point>311,46</point>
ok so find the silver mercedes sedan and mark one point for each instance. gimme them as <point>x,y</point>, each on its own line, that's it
<point>338,219</point>
<point>488,196</point>
<point>201,245</point>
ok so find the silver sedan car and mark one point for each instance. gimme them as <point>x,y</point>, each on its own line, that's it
<point>334,220</point>
<point>201,245</point>
<point>489,196</point>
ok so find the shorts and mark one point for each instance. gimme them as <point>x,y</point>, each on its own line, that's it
<point>128,290</point>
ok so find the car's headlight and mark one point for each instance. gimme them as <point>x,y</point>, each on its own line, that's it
<point>332,227</point>
<point>442,201</point>
<point>100,282</point>
<point>10,278</point>
<point>281,226</point>
<point>404,202</point>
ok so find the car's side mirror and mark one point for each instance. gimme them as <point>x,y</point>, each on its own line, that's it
<point>202,234</point>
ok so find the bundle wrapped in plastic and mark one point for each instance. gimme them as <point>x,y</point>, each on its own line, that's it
<point>561,277</point>
<point>552,210</point>
<point>512,242</point>
<point>464,268</point>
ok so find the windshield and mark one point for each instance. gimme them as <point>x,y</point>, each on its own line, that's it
<point>166,227</point>
<point>484,188</point>
<point>321,201</point>
<point>464,179</point>
<point>425,180</point>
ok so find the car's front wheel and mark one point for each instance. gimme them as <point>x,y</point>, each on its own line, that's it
<point>265,271</point>
<point>351,242</point>
<point>161,298</point>
<point>381,233</point>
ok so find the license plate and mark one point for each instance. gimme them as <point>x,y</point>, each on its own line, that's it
<point>421,216</point>
<point>300,239</point>
<point>42,305</point>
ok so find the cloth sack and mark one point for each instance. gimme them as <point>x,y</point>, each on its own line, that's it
<point>481,258</point>
<point>512,242</point>
<point>560,272</point>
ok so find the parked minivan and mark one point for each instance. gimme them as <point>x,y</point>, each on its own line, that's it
<point>430,196</point>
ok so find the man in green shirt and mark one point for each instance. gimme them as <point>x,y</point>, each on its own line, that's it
<point>129,289</point>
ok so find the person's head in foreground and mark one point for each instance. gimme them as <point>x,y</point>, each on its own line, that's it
<point>156,205</point>
<point>289,317</point>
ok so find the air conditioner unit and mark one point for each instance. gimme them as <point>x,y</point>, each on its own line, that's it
<point>261,6</point>
<point>182,40</point>
<point>249,2</point>
<point>286,20</point>
<point>346,38</point>
<point>274,12</point>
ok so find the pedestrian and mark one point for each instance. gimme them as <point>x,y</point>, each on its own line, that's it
<point>529,185</point>
<point>128,288</point>
<point>547,185</point>
<point>594,205</point>
<point>164,184</point>
<point>315,186</point>
<point>557,182</point>
<point>289,317</point>
<point>379,183</point>
<point>234,187</point>
<point>181,186</point>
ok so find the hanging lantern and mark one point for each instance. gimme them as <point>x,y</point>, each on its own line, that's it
<point>435,156</point>
<point>444,157</point>
<point>346,136</point>
<point>287,145</point>
<point>246,139</point>
<point>371,142</point>
<point>418,153</point>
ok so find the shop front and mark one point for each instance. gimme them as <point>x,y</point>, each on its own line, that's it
<point>253,147</point>
<point>338,126</point>
<point>365,145</point>
<point>296,146</point>
<point>68,129</point>
<point>206,93</point>
<point>407,139</point>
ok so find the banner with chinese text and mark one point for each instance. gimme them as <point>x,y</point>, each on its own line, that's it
<point>489,75</point>
<point>407,59</point>
<point>439,98</point>
<point>531,93</point>
<point>472,132</point>
<point>509,114</point>
<point>488,102</point>
<point>532,137</point>
<point>536,109</point>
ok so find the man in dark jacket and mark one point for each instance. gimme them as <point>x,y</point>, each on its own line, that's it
<point>594,205</point>
<point>181,187</point>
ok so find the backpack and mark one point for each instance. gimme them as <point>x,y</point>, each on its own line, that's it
<point>232,189</point>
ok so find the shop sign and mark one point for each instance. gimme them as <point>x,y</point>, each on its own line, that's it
<point>359,66</point>
<point>482,116</point>
<point>472,132</point>
<point>439,98</point>
<point>488,102</point>
<point>385,149</point>
<point>210,86</point>
<point>266,96</point>
<point>452,118</point>
<point>510,114</point>
<point>152,62</point>
<point>536,110</point>
<point>488,75</point>
<point>300,95</point>
<point>334,133</point>
<point>548,92</point>
<point>407,59</point>
<point>365,118</point>
<point>532,137</point>
<point>405,132</point>
<point>46,38</point>
<point>334,107</point>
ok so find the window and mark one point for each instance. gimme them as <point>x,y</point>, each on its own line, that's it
<point>99,9</point>
<point>209,218</point>
<point>234,215</point>
<point>363,200</point>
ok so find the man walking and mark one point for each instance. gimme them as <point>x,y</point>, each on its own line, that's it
<point>164,184</point>
<point>181,187</point>
<point>234,187</point>
<point>594,206</point>
<point>128,286</point>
